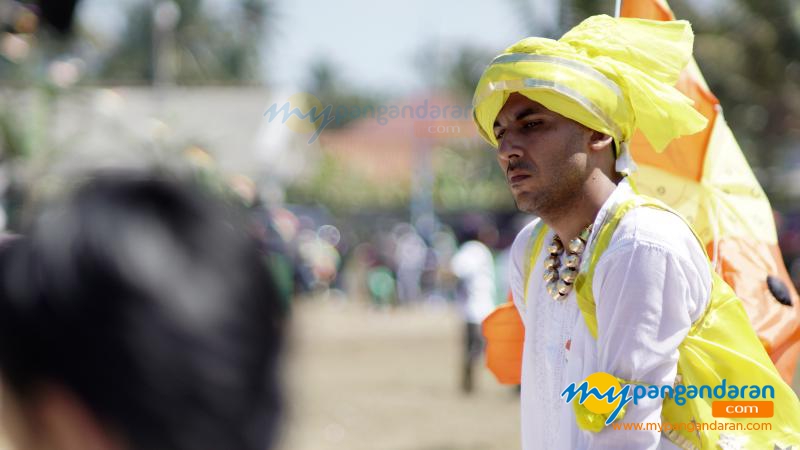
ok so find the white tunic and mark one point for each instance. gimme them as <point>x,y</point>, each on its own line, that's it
<point>650,285</point>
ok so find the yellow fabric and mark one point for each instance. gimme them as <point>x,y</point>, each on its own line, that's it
<point>720,345</point>
<point>590,421</point>
<point>727,202</point>
<point>537,240</point>
<point>612,75</point>
<point>706,178</point>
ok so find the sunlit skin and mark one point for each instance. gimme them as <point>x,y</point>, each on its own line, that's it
<point>52,418</point>
<point>556,168</point>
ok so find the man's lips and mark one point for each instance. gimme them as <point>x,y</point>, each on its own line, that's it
<point>517,178</point>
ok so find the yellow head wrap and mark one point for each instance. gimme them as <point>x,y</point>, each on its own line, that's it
<point>612,75</point>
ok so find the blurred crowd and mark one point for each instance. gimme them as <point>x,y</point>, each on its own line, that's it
<point>396,264</point>
<point>393,263</point>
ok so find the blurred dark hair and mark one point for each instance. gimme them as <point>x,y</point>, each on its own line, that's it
<point>146,299</point>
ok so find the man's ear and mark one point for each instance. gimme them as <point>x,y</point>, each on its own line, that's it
<point>599,141</point>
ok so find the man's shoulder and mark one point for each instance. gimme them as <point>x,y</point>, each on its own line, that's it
<point>518,259</point>
<point>523,240</point>
<point>659,228</point>
<point>649,237</point>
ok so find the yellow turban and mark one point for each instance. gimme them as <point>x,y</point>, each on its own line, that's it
<point>612,75</point>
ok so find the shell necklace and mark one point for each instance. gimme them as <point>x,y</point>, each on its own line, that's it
<point>560,280</point>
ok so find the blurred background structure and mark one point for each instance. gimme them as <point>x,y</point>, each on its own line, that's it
<point>362,222</point>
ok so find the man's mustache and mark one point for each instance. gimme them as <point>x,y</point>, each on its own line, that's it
<point>518,164</point>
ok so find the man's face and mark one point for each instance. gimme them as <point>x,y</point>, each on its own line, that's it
<point>543,154</point>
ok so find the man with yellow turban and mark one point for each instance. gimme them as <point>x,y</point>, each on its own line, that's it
<point>606,280</point>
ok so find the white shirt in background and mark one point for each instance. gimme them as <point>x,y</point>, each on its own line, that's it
<point>474,265</point>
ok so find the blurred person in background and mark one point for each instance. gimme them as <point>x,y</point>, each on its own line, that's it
<point>410,256</point>
<point>473,264</point>
<point>138,314</point>
<point>264,229</point>
<point>444,245</point>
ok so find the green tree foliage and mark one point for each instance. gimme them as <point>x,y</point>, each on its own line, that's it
<point>200,48</point>
<point>476,184</point>
<point>328,86</point>
<point>343,191</point>
<point>455,71</point>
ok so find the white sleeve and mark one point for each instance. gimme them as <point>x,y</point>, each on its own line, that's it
<point>646,298</point>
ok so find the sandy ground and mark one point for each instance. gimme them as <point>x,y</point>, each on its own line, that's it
<point>361,379</point>
<point>388,380</point>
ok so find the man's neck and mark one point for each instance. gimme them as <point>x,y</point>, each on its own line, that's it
<point>569,221</point>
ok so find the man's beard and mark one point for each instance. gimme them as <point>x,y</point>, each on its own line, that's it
<point>556,197</point>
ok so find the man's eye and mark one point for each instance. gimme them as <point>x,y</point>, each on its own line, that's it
<point>499,135</point>
<point>533,124</point>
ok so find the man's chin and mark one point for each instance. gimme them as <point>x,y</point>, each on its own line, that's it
<point>525,201</point>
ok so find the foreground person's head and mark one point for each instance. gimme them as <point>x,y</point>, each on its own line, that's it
<point>138,315</point>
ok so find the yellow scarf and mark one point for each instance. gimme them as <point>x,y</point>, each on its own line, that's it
<point>612,75</point>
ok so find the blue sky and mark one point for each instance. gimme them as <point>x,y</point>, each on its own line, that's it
<point>374,43</point>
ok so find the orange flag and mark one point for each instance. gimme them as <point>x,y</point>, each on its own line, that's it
<point>706,177</point>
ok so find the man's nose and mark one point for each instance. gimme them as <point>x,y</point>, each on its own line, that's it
<point>510,146</point>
